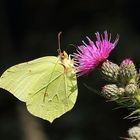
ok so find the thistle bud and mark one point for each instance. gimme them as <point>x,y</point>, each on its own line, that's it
<point>111,91</point>
<point>134,132</point>
<point>110,71</point>
<point>121,91</point>
<point>130,89</point>
<point>127,71</point>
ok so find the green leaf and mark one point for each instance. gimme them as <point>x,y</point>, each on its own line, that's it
<point>45,84</point>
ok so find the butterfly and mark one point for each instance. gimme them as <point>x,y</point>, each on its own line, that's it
<point>48,85</point>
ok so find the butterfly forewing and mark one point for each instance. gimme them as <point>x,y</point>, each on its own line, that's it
<point>23,78</point>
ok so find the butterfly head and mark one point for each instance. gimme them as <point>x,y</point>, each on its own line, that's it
<point>67,62</point>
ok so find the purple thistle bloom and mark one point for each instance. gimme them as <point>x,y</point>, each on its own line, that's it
<point>89,56</point>
<point>127,61</point>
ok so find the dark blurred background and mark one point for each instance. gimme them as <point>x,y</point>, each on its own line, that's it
<point>28,30</point>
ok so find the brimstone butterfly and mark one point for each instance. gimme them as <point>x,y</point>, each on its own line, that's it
<point>48,85</point>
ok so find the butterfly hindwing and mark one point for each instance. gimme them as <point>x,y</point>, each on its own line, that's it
<point>55,99</point>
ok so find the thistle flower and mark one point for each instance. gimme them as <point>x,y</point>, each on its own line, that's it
<point>127,61</point>
<point>127,72</point>
<point>111,91</point>
<point>130,89</point>
<point>110,71</point>
<point>89,56</point>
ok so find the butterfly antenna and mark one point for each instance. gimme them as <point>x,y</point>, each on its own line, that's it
<point>59,42</point>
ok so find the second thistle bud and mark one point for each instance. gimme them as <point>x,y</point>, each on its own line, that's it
<point>110,71</point>
<point>130,89</point>
<point>111,91</point>
<point>127,71</point>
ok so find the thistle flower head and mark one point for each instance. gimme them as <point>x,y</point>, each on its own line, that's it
<point>89,56</point>
<point>109,71</point>
<point>127,72</point>
<point>111,91</point>
<point>127,61</point>
<point>131,89</point>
